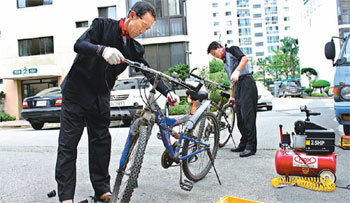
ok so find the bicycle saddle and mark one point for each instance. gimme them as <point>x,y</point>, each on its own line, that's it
<point>200,95</point>
<point>225,94</point>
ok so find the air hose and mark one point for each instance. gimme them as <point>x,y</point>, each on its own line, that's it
<point>312,183</point>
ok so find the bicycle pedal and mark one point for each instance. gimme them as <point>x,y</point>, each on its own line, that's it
<point>186,185</point>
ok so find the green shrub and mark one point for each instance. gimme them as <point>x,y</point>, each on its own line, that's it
<point>6,117</point>
<point>181,109</point>
<point>317,95</point>
<point>326,90</point>
<point>308,90</point>
<point>182,70</point>
<point>321,84</point>
<point>2,94</point>
<point>216,66</point>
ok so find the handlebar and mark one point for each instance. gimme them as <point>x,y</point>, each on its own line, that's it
<point>218,85</point>
<point>141,66</point>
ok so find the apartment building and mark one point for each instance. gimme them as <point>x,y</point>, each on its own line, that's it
<point>256,26</point>
<point>37,38</point>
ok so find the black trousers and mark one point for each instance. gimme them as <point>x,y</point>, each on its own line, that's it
<point>246,96</point>
<point>73,120</point>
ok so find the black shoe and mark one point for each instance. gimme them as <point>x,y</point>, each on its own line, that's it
<point>238,149</point>
<point>247,152</point>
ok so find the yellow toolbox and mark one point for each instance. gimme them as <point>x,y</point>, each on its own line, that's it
<point>229,199</point>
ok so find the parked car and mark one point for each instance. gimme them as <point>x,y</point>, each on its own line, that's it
<point>290,87</point>
<point>44,107</point>
<point>264,97</point>
<point>126,98</point>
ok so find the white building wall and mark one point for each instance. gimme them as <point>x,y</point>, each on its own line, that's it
<point>318,24</point>
<point>198,34</point>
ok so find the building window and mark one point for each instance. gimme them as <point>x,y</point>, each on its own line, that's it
<point>229,22</point>
<point>244,22</point>
<point>227,3</point>
<point>229,32</point>
<point>270,2</point>
<point>31,3</point>
<point>259,44</point>
<point>35,46</point>
<point>287,28</point>
<point>216,14</point>
<point>243,13</point>
<point>163,56</point>
<point>81,24</point>
<point>259,34</point>
<point>273,39</point>
<point>229,41</point>
<point>286,18</point>
<point>272,30</point>
<point>216,33</point>
<point>270,49</point>
<point>258,15</point>
<point>228,13</point>
<point>216,23</point>
<point>286,9</point>
<point>259,54</point>
<point>270,10</point>
<point>245,41</point>
<point>257,24</point>
<point>215,5</point>
<point>257,6</point>
<point>107,12</point>
<point>343,12</point>
<point>242,3</point>
<point>244,31</point>
<point>246,50</point>
<point>170,19</point>
<point>271,20</point>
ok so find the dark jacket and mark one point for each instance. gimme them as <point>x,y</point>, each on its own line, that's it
<point>90,75</point>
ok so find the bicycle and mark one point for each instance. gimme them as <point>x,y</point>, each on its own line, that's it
<point>187,151</point>
<point>226,112</point>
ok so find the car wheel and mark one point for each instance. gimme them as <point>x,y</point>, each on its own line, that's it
<point>126,122</point>
<point>37,125</point>
<point>269,108</point>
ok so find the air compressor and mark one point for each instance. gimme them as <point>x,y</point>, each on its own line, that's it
<point>309,151</point>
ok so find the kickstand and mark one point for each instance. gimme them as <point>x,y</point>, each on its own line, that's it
<point>212,163</point>
<point>186,184</point>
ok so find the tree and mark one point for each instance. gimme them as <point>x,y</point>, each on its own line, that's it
<point>309,72</point>
<point>290,48</point>
<point>321,84</point>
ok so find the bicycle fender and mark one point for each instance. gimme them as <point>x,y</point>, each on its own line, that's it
<point>190,123</point>
<point>127,144</point>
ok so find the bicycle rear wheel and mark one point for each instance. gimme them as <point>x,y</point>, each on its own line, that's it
<point>226,119</point>
<point>205,130</point>
<point>128,173</point>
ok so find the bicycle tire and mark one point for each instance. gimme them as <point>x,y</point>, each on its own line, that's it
<point>210,135</point>
<point>133,163</point>
<point>228,112</point>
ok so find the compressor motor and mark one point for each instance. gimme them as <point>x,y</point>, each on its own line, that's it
<point>308,151</point>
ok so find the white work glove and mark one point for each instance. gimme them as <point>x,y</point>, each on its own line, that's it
<point>112,55</point>
<point>232,101</point>
<point>235,76</point>
<point>173,99</point>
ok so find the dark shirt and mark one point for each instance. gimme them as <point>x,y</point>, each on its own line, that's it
<point>90,75</point>
<point>233,56</point>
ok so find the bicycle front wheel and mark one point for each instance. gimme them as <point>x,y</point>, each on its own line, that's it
<point>205,130</point>
<point>128,173</point>
<point>226,119</point>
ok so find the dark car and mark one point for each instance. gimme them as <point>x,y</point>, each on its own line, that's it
<point>44,107</point>
<point>289,88</point>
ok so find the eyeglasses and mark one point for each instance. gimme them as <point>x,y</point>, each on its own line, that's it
<point>143,23</point>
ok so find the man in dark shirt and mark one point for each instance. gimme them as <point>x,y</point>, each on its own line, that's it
<point>244,91</point>
<point>86,95</point>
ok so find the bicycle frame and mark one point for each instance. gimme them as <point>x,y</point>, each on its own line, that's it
<point>166,126</point>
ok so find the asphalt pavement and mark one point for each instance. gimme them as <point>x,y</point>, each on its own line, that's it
<point>28,159</point>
